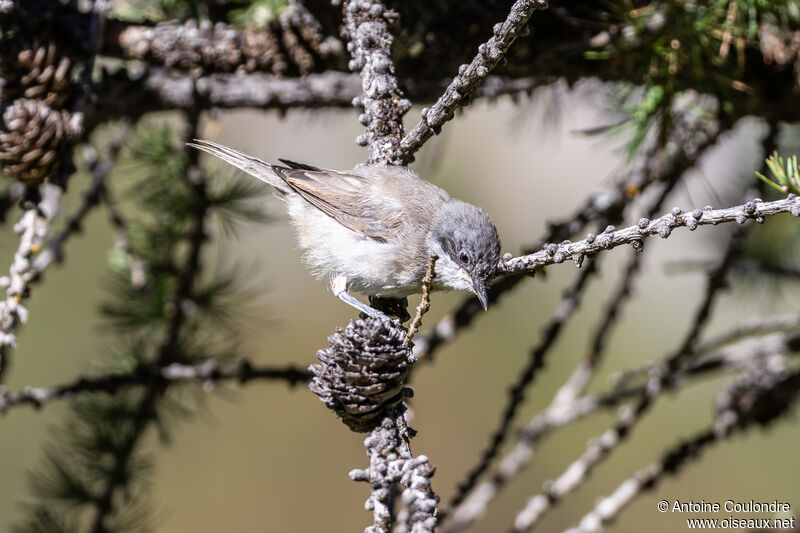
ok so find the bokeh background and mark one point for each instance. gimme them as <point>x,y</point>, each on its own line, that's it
<point>265,457</point>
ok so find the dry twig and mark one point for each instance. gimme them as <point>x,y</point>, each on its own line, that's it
<point>425,304</point>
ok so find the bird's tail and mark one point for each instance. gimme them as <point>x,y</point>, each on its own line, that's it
<point>251,165</point>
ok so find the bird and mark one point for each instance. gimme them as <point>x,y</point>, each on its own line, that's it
<point>373,229</point>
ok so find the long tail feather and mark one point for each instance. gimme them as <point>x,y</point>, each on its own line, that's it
<point>251,165</point>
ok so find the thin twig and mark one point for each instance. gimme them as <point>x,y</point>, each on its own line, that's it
<point>600,448</point>
<point>208,372</point>
<point>558,415</point>
<point>136,265</point>
<point>169,348</point>
<point>516,394</point>
<point>634,235</point>
<point>752,327</point>
<point>604,207</point>
<point>425,303</point>
<point>643,479</point>
<point>489,55</point>
<point>771,404</point>
<point>54,250</point>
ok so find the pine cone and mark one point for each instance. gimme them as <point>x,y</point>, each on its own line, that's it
<point>362,373</point>
<point>34,70</point>
<point>29,139</point>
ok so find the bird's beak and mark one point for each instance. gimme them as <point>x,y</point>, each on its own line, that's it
<point>479,287</point>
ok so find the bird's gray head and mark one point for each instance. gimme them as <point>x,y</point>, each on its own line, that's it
<point>466,243</point>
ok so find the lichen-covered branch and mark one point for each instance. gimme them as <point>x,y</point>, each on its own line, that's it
<point>634,235</point>
<point>224,48</point>
<point>128,94</point>
<point>490,54</point>
<point>367,26</point>
<point>607,508</point>
<point>391,462</point>
<point>32,228</point>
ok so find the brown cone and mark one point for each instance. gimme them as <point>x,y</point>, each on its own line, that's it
<point>30,138</point>
<point>362,373</point>
<point>34,70</point>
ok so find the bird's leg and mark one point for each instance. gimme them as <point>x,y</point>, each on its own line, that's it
<point>339,288</point>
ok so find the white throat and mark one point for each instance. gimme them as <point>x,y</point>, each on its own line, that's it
<point>449,274</point>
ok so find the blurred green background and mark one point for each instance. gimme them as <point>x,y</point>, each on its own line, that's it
<point>264,457</point>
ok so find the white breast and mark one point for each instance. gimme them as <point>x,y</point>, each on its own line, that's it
<point>330,250</point>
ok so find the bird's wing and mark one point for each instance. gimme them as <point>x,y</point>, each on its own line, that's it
<point>303,166</point>
<point>344,197</point>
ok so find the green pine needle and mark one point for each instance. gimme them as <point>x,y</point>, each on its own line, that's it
<point>785,174</point>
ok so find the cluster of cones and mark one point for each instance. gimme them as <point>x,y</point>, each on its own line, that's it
<point>35,88</point>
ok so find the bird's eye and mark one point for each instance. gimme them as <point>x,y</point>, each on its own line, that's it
<point>464,258</point>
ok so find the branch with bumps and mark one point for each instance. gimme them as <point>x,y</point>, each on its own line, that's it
<point>634,236</point>
<point>603,207</point>
<point>391,462</point>
<point>490,54</point>
<point>362,374</point>
<point>129,94</point>
<point>367,26</point>
<point>292,44</point>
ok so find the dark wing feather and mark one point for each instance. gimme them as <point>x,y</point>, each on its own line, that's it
<point>302,166</point>
<point>344,197</point>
